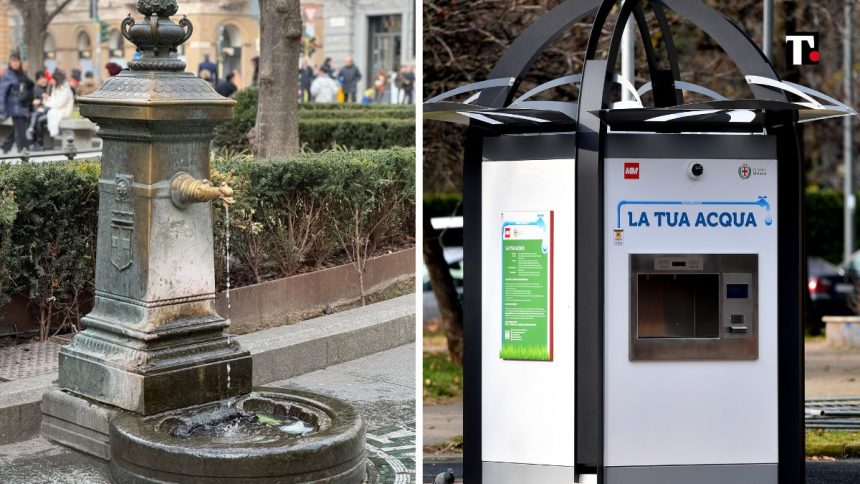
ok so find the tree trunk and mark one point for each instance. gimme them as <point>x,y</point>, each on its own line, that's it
<point>36,18</point>
<point>277,128</point>
<point>34,33</point>
<point>445,292</point>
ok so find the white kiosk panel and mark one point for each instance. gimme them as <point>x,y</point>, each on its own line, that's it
<point>689,411</point>
<point>520,396</point>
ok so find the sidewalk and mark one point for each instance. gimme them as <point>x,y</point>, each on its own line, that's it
<point>278,353</point>
<point>831,372</point>
<point>442,422</point>
<point>381,387</point>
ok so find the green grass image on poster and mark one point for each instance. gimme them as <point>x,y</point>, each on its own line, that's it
<point>539,353</point>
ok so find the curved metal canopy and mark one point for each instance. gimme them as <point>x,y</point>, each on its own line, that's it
<point>492,105</point>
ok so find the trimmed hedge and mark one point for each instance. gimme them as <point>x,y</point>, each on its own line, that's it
<point>353,106</point>
<point>290,216</point>
<point>824,223</point>
<point>443,204</point>
<point>326,126</point>
<point>356,134</point>
<point>50,248</point>
<point>303,214</point>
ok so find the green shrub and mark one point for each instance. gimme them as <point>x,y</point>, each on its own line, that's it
<point>50,256</point>
<point>290,216</point>
<point>824,223</point>
<point>356,106</point>
<point>357,134</point>
<point>294,215</point>
<point>8,213</point>
<point>233,133</point>
<point>443,204</point>
<point>325,126</point>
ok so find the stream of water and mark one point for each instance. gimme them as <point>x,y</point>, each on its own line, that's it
<point>227,253</point>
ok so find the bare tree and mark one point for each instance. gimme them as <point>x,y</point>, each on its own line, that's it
<point>37,17</point>
<point>277,130</point>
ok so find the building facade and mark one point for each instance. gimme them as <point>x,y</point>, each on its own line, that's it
<point>378,34</point>
<point>226,30</point>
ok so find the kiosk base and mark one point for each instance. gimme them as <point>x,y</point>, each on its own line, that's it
<point>507,472</point>
<point>700,474</point>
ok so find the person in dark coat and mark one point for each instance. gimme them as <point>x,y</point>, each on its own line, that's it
<point>227,87</point>
<point>16,101</point>
<point>407,84</point>
<point>208,65</point>
<point>306,78</point>
<point>349,76</point>
<point>327,68</point>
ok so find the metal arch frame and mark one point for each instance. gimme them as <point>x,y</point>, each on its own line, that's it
<point>590,139</point>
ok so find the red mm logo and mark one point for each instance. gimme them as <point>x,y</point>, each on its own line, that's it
<point>631,171</point>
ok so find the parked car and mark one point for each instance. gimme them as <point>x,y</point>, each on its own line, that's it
<point>831,290</point>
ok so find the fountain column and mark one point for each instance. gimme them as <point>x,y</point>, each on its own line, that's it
<point>153,341</point>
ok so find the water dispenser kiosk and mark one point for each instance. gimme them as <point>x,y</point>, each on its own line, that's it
<point>634,287</point>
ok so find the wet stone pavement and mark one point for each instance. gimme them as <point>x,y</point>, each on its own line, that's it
<point>381,387</point>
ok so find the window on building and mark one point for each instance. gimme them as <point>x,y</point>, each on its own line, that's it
<point>385,43</point>
<point>85,50</point>
<point>117,47</point>
<point>229,50</point>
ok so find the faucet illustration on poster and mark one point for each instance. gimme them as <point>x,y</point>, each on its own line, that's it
<point>527,240</point>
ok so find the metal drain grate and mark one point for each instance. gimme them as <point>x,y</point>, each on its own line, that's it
<point>29,360</point>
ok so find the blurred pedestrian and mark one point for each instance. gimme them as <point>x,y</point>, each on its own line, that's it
<point>88,85</point>
<point>60,104</point>
<point>227,87</point>
<point>42,87</point>
<point>327,68</point>
<point>256,76</point>
<point>306,77</point>
<point>16,94</point>
<point>324,89</point>
<point>406,80</point>
<point>380,82</point>
<point>113,69</point>
<point>74,79</point>
<point>210,67</point>
<point>57,106</point>
<point>207,76</point>
<point>349,76</point>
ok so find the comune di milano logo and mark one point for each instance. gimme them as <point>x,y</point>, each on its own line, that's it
<point>745,171</point>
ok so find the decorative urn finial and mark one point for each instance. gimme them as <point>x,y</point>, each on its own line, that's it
<point>158,37</point>
<point>162,8</point>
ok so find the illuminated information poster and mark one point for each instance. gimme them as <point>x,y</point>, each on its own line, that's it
<point>527,286</point>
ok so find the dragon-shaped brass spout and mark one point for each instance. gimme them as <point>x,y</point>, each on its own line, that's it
<point>185,190</point>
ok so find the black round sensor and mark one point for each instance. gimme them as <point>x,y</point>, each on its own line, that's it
<point>697,169</point>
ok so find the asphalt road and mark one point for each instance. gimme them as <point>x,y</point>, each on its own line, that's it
<point>838,472</point>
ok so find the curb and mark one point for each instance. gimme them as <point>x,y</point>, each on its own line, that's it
<point>277,354</point>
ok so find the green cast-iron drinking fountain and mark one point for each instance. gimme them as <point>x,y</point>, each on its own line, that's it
<point>154,384</point>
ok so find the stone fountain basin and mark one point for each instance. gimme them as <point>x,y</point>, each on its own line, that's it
<point>236,440</point>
